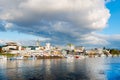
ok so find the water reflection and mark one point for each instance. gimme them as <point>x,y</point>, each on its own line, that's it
<point>54,69</point>
<point>96,67</point>
<point>2,63</point>
<point>113,70</point>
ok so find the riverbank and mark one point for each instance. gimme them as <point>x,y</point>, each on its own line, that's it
<point>8,55</point>
<point>16,56</point>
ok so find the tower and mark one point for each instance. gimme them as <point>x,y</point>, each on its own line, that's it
<point>37,43</point>
<point>48,46</point>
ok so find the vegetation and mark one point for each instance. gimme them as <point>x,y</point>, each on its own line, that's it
<point>112,51</point>
<point>115,51</point>
<point>7,54</point>
<point>69,44</point>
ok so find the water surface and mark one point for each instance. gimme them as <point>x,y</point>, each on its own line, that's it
<point>61,69</point>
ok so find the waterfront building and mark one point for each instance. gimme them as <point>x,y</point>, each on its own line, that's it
<point>79,50</point>
<point>95,52</point>
<point>28,48</point>
<point>48,46</point>
<point>11,47</point>
<point>99,51</point>
<point>1,49</point>
<point>70,47</point>
<point>64,52</point>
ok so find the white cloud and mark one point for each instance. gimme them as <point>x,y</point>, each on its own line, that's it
<point>1,41</point>
<point>64,20</point>
<point>115,37</point>
<point>107,1</point>
<point>8,25</point>
<point>75,12</point>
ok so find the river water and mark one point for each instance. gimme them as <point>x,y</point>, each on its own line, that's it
<point>61,69</point>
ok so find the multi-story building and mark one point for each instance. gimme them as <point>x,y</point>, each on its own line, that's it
<point>79,50</point>
<point>48,46</point>
<point>11,47</point>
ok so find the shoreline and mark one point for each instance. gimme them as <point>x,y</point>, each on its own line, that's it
<point>51,57</point>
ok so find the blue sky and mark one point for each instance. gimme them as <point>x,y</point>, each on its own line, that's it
<point>90,25</point>
<point>114,21</point>
<point>14,35</point>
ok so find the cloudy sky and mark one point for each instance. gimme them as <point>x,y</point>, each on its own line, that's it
<point>91,23</point>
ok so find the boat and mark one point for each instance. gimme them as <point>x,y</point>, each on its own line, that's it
<point>32,58</point>
<point>3,57</point>
<point>17,58</point>
<point>103,55</point>
<point>69,56</point>
<point>109,55</point>
<point>79,56</point>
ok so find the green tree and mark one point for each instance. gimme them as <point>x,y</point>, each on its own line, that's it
<point>114,52</point>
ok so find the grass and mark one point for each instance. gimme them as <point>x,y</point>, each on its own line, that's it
<point>7,54</point>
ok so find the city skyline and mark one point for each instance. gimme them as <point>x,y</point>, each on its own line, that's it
<point>87,23</point>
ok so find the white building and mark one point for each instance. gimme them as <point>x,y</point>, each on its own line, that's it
<point>70,47</point>
<point>99,51</point>
<point>10,46</point>
<point>48,46</point>
<point>79,49</point>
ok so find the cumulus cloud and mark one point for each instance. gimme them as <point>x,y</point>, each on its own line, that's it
<point>83,14</point>
<point>107,1</point>
<point>95,39</point>
<point>3,42</point>
<point>65,21</point>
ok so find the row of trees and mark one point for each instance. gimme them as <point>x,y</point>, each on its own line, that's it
<point>113,51</point>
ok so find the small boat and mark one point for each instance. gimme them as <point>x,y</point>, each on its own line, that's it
<point>79,56</point>
<point>76,56</point>
<point>109,55</point>
<point>17,58</point>
<point>3,57</point>
<point>32,58</point>
<point>69,56</point>
<point>103,55</point>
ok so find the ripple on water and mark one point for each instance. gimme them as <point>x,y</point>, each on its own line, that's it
<point>113,73</point>
<point>55,69</point>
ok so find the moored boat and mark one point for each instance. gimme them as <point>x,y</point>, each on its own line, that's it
<point>17,58</point>
<point>3,57</point>
<point>79,56</point>
<point>33,57</point>
<point>69,56</point>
